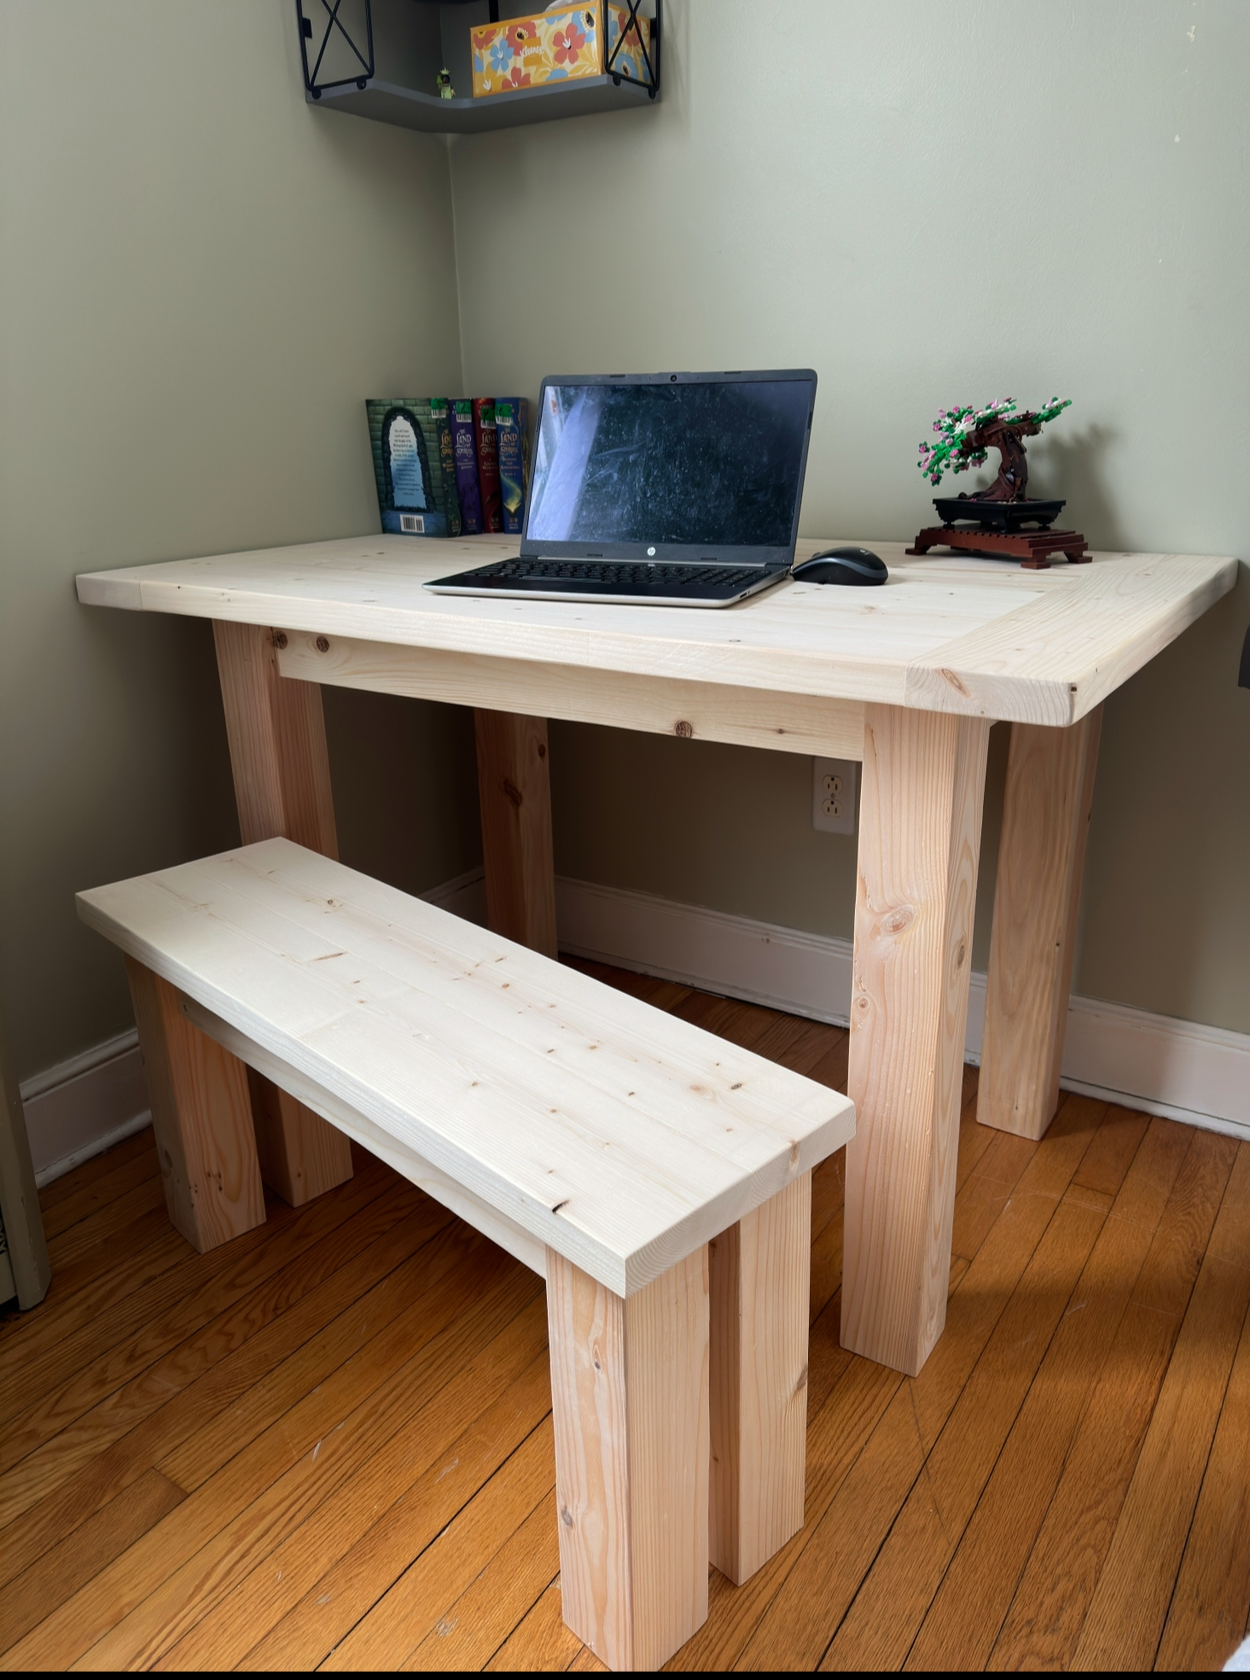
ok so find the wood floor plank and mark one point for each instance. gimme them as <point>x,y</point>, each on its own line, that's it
<point>231,1355</point>
<point>307,1451</point>
<point>1211,1604</point>
<point>470,1630</point>
<point>542,1643</point>
<point>1048,1609</point>
<point>87,1549</point>
<point>895,1596</point>
<point>828,1189</point>
<point>95,1197</point>
<point>145,1198</point>
<point>412,1607</point>
<point>806,1612</point>
<point>1134,1592</point>
<point>1109,1157</point>
<point>99,1166</point>
<point>968,1610</point>
<point>826,1265</point>
<point>418,1479</point>
<point>987,1189</point>
<point>120,1372</point>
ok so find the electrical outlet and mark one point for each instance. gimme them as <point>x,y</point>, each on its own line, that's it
<point>833,795</point>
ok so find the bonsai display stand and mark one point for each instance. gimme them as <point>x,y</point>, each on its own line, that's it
<point>1033,549</point>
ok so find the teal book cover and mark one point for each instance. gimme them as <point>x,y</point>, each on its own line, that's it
<point>512,432</point>
<point>414,464</point>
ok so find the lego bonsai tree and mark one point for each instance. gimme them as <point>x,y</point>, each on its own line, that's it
<point>966,434</point>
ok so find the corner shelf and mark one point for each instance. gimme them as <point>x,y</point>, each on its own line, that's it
<point>375,57</point>
<point>406,108</point>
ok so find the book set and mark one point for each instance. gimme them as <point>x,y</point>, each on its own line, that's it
<point>450,467</point>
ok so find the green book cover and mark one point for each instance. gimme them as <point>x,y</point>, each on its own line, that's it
<point>414,464</point>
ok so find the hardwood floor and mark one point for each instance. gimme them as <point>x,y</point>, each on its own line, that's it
<point>329,1442</point>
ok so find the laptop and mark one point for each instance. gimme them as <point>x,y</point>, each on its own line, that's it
<point>663,489</point>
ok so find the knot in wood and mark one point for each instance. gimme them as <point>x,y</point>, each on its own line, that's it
<point>898,920</point>
<point>279,638</point>
<point>960,952</point>
<point>684,729</point>
<point>322,645</point>
<point>514,793</point>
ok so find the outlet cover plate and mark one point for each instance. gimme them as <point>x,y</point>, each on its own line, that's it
<point>833,795</point>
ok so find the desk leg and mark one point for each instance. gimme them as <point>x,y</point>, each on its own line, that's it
<point>277,737</point>
<point>201,1118</point>
<point>760,1275</point>
<point>919,845</point>
<point>1050,791</point>
<point>629,1400</point>
<point>514,788</point>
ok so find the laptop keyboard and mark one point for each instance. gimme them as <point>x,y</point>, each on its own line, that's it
<point>619,572</point>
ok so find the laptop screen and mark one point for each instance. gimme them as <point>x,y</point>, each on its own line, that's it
<point>689,466</point>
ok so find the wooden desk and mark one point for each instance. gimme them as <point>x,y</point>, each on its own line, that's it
<point>906,678</point>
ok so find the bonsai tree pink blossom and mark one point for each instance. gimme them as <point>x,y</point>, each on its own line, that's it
<point>966,434</point>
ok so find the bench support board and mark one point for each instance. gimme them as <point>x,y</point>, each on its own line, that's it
<point>629,1395</point>
<point>202,1119</point>
<point>760,1278</point>
<point>300,1153</point>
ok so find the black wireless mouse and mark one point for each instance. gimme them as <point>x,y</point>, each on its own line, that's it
<point>859,567</point>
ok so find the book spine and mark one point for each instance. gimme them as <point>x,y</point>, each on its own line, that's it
<point>440,411</point>
<point>487,462</point>
<point>465,450</point>
<point>511,431</point>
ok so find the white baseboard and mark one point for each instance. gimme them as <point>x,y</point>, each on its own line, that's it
<point>1180,1069</point>
<point>85,1105</point>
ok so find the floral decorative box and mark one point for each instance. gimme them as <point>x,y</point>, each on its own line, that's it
<point>554,46</point>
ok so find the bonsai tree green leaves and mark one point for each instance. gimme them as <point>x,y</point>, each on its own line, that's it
<point>965,435</point>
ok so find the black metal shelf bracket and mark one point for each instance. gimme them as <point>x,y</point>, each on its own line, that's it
<point>651,59</point>
<point>333,23</point>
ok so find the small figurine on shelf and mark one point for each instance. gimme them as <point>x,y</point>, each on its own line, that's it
<point>965,435</point>
<point>443,82</point>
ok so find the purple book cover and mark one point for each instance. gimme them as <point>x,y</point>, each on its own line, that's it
<point>466,467</point>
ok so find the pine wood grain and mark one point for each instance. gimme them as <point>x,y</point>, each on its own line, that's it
<point>514,794</point>
<point>1048,1610</point>
<point>201,1117</point>
<point>665,706</point>
<point>1041,858</point>
<point>919,844</point>
<point>629,1381</point>
<point>944,634</point>
<point>300,1154</point>
<point>417,1531</point>
<point>759,1274</point>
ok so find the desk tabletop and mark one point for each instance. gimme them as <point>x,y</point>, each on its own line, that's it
<point>945,633</point>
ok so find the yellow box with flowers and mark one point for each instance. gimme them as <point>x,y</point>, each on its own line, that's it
<point>562,44</point>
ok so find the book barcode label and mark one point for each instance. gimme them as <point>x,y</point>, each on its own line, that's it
<point>413,523</point>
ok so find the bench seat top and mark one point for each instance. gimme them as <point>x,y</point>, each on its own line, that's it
<point>622,1137</point>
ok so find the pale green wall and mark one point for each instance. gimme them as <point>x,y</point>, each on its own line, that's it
<point>927,204</point>
<point>201,279</point>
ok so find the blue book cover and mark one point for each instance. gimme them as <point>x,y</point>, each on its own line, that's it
<point>512,432</point>
<point>414,464</point>
<point>465,450</point>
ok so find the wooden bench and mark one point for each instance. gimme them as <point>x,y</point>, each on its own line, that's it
<point>657,1177</point>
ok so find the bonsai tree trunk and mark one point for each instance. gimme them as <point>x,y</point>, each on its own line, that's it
<point>1011,485</point>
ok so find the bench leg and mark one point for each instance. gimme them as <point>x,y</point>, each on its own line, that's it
<point>277,734</point>
<point>1041,856</point>
<point>514,789</point>
<point>760,1277</point>
<point>919,846</point>
<point>629,1395</point>
<point>201,1117</point>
